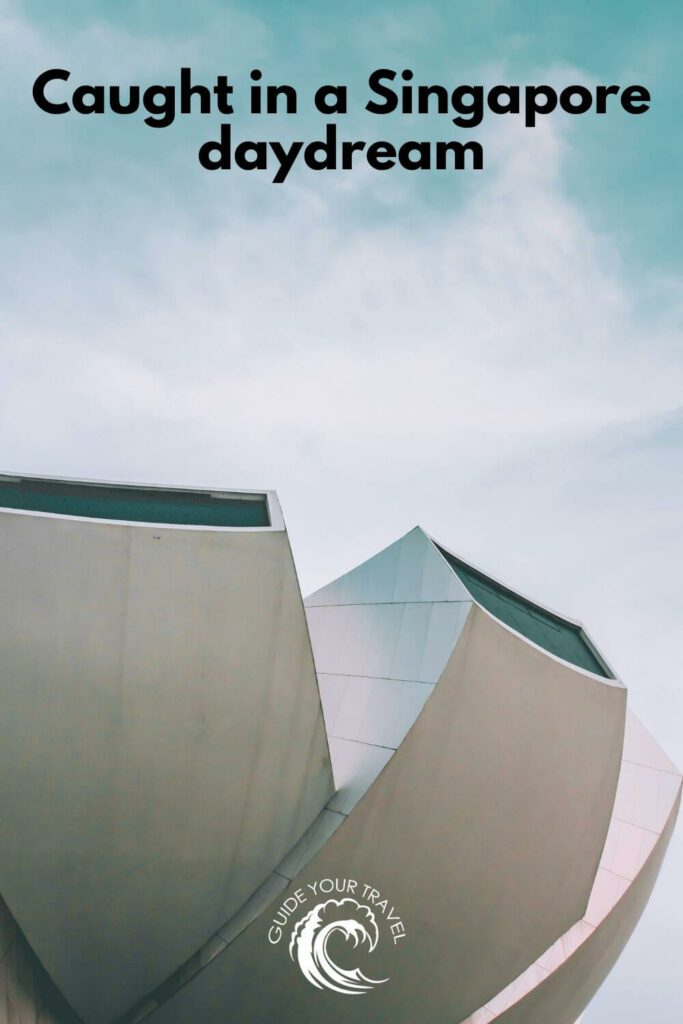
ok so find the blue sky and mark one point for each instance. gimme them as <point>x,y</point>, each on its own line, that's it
<point>496,356</point>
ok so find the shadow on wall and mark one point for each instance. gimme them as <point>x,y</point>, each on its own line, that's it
<point>27,994</point>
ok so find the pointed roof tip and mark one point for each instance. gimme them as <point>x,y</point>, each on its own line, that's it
<point>409,548</point>
<point>417,529</point>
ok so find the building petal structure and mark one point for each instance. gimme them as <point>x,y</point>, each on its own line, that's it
<point>163,744</point>
<point>417,795</point>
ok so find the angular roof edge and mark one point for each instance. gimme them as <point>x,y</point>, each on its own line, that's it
<point>606,669</point>
<point>150,498</point>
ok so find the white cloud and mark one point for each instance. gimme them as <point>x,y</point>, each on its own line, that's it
<point>464,345</point>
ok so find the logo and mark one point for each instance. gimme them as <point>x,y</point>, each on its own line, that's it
<point>310,938</point>
<point>358,917</point>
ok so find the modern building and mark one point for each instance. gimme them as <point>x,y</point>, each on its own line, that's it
<point>419,797</point>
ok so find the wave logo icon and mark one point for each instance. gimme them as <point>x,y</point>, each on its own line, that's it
<point>357,924</point>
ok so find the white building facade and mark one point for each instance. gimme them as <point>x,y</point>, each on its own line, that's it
<point>420,797</point>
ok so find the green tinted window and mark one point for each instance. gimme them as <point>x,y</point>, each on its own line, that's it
<point>549,631</point>
<point>135,505</point>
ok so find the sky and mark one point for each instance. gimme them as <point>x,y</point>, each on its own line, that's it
<point>497,356</point>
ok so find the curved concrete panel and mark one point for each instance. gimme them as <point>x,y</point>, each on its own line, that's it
<point>643,815</point>
<point>382,635</point>
<point>485,830</point>
<point>162,744</point>
<point>493,824</point>
<point>568,990</point>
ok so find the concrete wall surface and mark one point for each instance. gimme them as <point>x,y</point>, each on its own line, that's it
<point>162,744</point>
<point>484,833</point>
<point>496,823</point>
